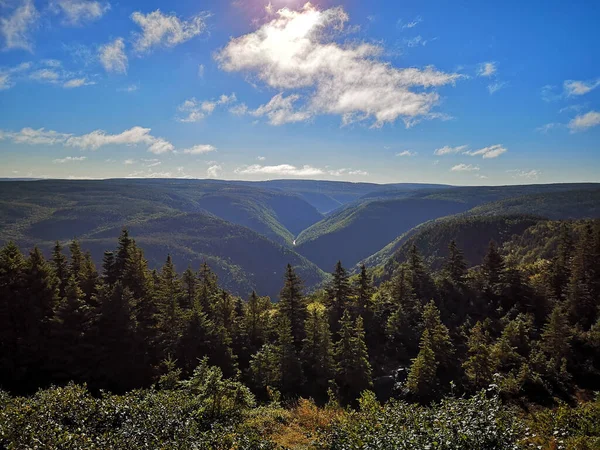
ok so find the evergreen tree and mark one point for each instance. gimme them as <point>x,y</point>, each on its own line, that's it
<point>364,291</point>
<point>207,290</point>
<point>561,264</point>
<point>61,268</point>
<point>256,321</point>
<point>421,282</point>
<point>190,289</point>
<point>317,350</point>
<point>195,341</point>
<point>290,368</point>
<point>439,336</point>
<point>422,378</point>
<point>291,304</point>
<point>555,342</point>
<point>480,364</point>
<point>109,269</point>
<point>89,278</point>
<point>353,371</point>
<point>168,317</point>
<point>455,267</point>
<point>338,294</point>
<point>583,306</point>
<point>77,260</point>
<point>71,324</point>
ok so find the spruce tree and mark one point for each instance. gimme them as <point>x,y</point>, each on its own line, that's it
<point>291,304</point>
<point>317,350</point>
<point>190,289</point>
<point>455,267</point>
<point>422,377</point>
<point>364,291</point>
<point>479,366</point>
<point>61,268</point>
<point>583,306</point>
<point>77,260</point>
<point>338,294</point>
<point>353,370</point>
<point>290,368</point>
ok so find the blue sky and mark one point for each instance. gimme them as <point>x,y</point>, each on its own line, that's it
<point>458,92</point>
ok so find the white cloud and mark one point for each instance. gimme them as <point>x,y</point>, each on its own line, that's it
<point>78,11</point>
<point>261,158</point>
<point>69,159</point>
<point>129,162</point>
<point>77,82</point>
<point>493,151</point>
<point>548,126</point>
<point>239,110</point>
<point>30,136</point>
<point>415,41</point>
<point>280,110</point>
<point>199,150</point>
<point>406,153</point>
<point>296,51</point>
<point>112,56</point>
<point>495,87</point>
<point>487,69</point>
<point>130,88</point>
<point>529,174</point>
<point>340,172</point>
<point>483,177</point>
<point>446,150</point>
<point>409,25</point>
<point>160,30</point>
<point>16,28</point>
<point>465,168</point>
<point>99,138</point>
<point>214,171</point>
<point>45,75</point>
<point>197,111</point>
<point>574,87</point>
<point>5,82</point>
<point>584,121</point>
<point>200,70</point>
<point>154,164</point>
<point>282,169</point>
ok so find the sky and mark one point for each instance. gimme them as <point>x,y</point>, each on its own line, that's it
<point>457,92</point>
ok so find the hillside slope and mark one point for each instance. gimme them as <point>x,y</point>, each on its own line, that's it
<point>360,230</point>
<point>242,258</point>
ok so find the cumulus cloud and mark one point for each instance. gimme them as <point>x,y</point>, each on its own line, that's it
<point>340,172</point>
<point>17,27</point>
<point>199,150</point>
<point>214,171</point>
<point>406,153</point>
<point>493,151</point>
<point>112,56</point>
<point>282,169</point>
<point>574,87</point>
<point>584,121</point>
<point>447,150</point>
<point>196,111</point>
<point>487,69</point>
<point>129,162</point>
<point>296,50</point>
<point>69,159</point>
<point>160,30</point>
<point>77,12</point>
<point>45,75</point>
<point>99,138</point>
<point>465,168</point>
<point>261,158</point>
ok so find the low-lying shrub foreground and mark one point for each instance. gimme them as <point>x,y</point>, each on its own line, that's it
<point>209,411</point>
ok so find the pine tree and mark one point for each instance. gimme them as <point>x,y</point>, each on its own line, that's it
<point>109,269</point>
<point>207,290</point>
<point>421,282</point>
<point>561,264</point>
<point>422,378</point>
<point>317,350</point>
<point>338,293</point>
<point>455,267</point>
<point>555,341</point>
<point>256,321</point>
<point>353,370</point>
<point>71,326</point>
<point>61,268</point>
<point>583,307</point>
<point>12,291</point>
<point>77,260</point>
<point>89,278</point>
<point>195,341</point>
<point>123,253</point>
<point>168,311</point>
<point>480,364</point>
<point>439,336</point>
<point>364,291</point>
<point>290,368</point>
<point>291,304</point>
<point>190,289</point>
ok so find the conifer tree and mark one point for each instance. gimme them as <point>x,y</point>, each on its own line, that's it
<point>256,321</point>
<point>353,370</point>
<point>290,368</point>
<point>291,304</point>
<point>317,350</point>
<point>421,282</point>
<point>455,268</point>
<point>439,336</point>
<point>207,289</point>
<point>338,293</point>
<point>195,341</point>
<point>583,307</point>
<point>168,310</point>
<point>555,341</point>
<point>480,364</point>
<point>190,289</point>
<point>109,269</point>
<point>422,378</point>
<point>77,260</point>
<point>364,291</point>
<point>61,268</point>
<point>561,264</point>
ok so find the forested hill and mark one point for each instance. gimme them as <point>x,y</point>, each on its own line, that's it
<point>479,357</point>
